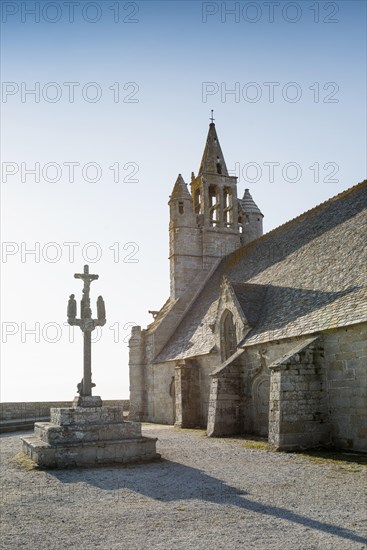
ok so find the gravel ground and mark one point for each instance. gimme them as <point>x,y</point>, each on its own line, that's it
<point>205,493</point>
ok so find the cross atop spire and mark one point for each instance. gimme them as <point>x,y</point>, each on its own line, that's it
<point>212,116</point>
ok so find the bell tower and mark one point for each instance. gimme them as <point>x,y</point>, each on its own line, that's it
<point>210,222</point>
<point>214,194</point>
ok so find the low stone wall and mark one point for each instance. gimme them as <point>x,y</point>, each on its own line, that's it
<point>23,414</point>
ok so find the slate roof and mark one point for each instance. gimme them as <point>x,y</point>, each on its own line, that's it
<point>309,274</point>
<point>251,298</point>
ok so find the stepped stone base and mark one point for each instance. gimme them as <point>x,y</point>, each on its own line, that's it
<point>88,436</point>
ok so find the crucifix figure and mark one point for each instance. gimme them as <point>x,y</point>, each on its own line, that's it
<point>87,325</point>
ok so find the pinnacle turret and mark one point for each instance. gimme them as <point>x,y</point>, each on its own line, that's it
<point>180,189</point>
<point>248,205</point>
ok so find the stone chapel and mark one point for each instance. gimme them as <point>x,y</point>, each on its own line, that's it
<point>261,334</point>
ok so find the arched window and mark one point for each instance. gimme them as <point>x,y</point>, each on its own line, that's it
<point>181,207</point>
<point>228,335</point>
<point>228,207</point>
<point>214,212</point>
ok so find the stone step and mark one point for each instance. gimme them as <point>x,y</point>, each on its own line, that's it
<point>69,434</point>
<point>123,451</point>
<point>86,415</point>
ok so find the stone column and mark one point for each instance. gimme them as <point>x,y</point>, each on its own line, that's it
<point>206,205</point>
<point>235,210</point>
<point>221,206</point>
<point>87,377</point>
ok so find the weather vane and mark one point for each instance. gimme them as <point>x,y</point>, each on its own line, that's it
<point>212,117</point>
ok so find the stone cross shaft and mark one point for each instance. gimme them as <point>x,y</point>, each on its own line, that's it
<point>87,325</point>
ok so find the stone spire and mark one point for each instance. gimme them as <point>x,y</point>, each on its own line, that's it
<point>180,190</point>
<point>248,205</point>
<point>213,160</point>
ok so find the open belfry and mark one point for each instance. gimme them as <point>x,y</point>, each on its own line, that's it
<point>261,334</point>
<point>210,222</point>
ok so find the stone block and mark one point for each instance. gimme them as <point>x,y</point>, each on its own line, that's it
<point>86,415</point>
<point>87,436</point>
<point>54,434</point>
<point>87,401</point>
<point>90,454</point>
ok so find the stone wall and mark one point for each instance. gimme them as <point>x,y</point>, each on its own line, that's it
<point>299,416</point>
<point>163,393</point>
<point>164,388</point>
<point>247,381</point>
<point>226,402</point>
<point>252,227</point>
<point>138,393</point>
<point>318,391</point>
<point>186,258</point>
<point>318,397</point>
<point>346,382</point>
<point>255,374</point>
<point>24,411</point>
<point>187,384</point>
<point>144,345</point>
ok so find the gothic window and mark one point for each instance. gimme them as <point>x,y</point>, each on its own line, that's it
<point>197,201</point>
<point>181,207</point>
<point>228,207</point>
<point>214,211</point>
<point>228,335</point>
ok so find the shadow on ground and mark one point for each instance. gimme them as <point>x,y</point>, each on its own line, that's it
<point>170,481</point>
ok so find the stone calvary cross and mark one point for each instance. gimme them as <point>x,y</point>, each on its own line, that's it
<point>87,325</point>
<point>89,433</point>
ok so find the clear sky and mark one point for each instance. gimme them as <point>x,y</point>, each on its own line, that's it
<point>130,85</point>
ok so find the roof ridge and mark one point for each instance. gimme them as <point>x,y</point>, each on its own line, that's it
<point>318,206</point>
<point>292,221</point>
